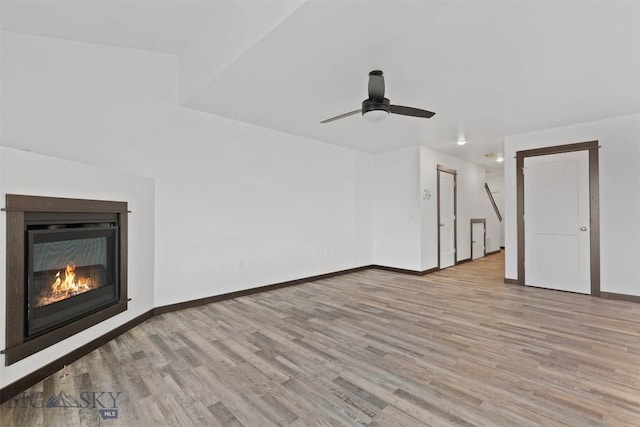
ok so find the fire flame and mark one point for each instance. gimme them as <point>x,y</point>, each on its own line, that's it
<point>69,285</point>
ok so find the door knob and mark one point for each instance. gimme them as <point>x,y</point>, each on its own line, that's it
<point>583,228</point>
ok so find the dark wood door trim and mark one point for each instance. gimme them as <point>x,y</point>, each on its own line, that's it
<point>594,205</point>
<point>441,168</point>
<point>447,170</point>
<point>558,149</point>
<point>594,216</point>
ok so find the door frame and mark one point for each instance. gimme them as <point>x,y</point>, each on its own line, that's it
<point>594,205</point>
<point>454,172</point>
<point>482,221</point>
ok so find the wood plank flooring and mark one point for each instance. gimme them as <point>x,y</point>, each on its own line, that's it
<point>453,348</point>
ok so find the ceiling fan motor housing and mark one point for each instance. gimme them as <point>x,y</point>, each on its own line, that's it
<point>372,105</point>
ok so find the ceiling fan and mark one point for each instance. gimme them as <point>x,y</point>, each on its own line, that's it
<point>377,107</point>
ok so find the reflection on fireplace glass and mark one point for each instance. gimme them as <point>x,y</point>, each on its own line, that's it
<point>66,268</point>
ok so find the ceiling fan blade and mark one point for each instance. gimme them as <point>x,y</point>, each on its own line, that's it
<point>410,111</point>
<point>341,116</point>
<point>376,86</point>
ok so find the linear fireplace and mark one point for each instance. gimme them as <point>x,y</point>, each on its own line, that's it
<point>71,272</point>
<point>66,269</point>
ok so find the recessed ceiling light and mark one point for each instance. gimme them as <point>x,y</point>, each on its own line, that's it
<point>461,142</point>
<point>499,158</point>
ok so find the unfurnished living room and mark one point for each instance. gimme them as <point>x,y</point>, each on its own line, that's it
<point>320,213</point>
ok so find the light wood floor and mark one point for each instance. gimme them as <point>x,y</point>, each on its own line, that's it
<point>457,347</point>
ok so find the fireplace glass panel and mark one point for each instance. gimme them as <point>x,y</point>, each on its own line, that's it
<point>72,271</point>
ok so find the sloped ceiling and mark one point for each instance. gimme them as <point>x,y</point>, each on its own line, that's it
<point>487,68</point>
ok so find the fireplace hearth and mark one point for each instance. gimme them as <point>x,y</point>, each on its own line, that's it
<point>66,269</point>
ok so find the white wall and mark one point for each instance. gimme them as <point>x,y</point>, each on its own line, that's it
<point>33,174</point>
<point>240,206</point>
<point>619,196</point>
<point>472,202</point>
<point>396,209</point>
<point>496,184</point>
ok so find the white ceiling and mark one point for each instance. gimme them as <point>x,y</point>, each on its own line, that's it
<point>487,68</point>
<point>162,26</point>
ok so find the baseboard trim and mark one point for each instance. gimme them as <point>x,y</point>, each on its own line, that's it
<point>51,368</point>
<point>493,252</point>
<point>216,298</point>
<point>404,271</point>
<point>511,281</point>
<point>620,297</point>
<point>462,261</point>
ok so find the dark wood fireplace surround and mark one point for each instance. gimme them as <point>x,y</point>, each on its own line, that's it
<point>24,210</point>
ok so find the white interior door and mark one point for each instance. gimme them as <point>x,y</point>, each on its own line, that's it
<point>447,219</point>
<point>477,240</point>
<point>556,221</point>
